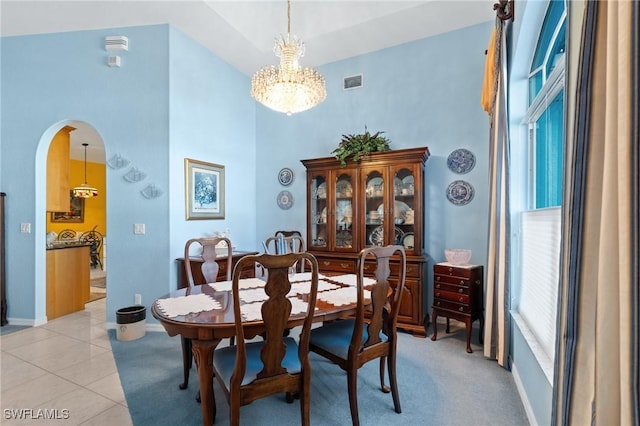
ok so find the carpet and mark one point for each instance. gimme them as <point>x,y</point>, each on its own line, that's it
<point>439,384</point>
<point>100,282</point>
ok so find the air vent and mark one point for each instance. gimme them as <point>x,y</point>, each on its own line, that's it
<point>352,82</point>
<point>116,43</point>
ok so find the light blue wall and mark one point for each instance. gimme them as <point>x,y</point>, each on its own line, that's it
<point>204,112</point>
<point>170,98</point>
<point>424,93</point>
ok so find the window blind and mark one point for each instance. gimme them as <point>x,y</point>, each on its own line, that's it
<point>541,233</point>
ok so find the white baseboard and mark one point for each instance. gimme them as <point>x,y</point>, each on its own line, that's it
<point>523,395</point>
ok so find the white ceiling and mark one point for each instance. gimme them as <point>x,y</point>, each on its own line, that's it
<point>242,32</point>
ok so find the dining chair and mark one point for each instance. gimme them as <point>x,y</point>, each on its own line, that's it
<point>248,371</point>
<point>287,233</point>
<point>371,334</point>
<point>281,244</point>
<point>94,239</point>
<point>67,234</point>
<point>210,268</point>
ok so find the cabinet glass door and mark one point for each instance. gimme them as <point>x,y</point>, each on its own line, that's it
<point>318,211</point>
<point>375,210</point>
<point>404,201</point>
<point>343,217</point>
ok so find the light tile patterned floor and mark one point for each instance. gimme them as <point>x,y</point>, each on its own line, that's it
<point>62,370</point>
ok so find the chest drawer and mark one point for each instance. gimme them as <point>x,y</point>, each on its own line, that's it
<point>452,306</point>
<point>462,289</point>
<point>448,295</point>
<point>344,266</point>
<point>458,271</point>
<point>438,278</point>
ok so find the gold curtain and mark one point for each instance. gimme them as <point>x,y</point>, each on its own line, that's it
<point>594,374</point>
<point>494,95</point>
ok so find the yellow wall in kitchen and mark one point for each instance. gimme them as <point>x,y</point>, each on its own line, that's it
<point>94,208</point>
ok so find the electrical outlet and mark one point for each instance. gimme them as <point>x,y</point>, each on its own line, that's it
<point>137,299</point>
<point>25,228</point>
<point>138,228</point>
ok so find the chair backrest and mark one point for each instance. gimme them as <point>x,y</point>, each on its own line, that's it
<point>283,245</point>
<point>210,256</point>
<point>94,238</point>
<point>287,233</point>
<point>275,314</point>
<point>382,314</point>
<point>67,234</point>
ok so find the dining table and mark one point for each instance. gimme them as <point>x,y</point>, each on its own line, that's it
<point>204,314</point>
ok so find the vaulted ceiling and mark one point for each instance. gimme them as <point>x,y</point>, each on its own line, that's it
<point>242,32</point>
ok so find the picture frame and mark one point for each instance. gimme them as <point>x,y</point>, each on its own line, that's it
<point>75,213</point>
<point>204,190</point>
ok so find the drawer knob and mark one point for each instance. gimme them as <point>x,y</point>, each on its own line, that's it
<point>460,300</point>
<point>461,291</point>
<point>326,263</point>
<point>437,294</point>
<point>366,267</point>
<point>462,282</point>
<point>345,265</point>
<point>437,278</point>
<point>438,285</point>
<point>438,303</point>
<point>450,269</point>
<point>461,308</point>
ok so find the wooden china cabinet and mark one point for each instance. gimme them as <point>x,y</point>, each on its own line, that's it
<point>376,201</point>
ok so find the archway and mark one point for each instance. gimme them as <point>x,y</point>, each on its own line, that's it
<point>85,143</point>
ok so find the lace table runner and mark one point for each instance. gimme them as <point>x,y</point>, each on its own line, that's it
<point>351,280</point>
<point>245,283</point>
<point>342,296</point>
<point>252,311</point>
<point>184,305</point>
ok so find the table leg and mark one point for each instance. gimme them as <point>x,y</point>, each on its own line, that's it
<point>434,323</point>
<point>203,355</point>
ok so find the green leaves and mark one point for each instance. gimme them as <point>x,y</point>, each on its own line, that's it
<point>359,146</point>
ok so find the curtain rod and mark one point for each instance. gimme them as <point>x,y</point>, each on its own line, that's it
<point>504,9</point>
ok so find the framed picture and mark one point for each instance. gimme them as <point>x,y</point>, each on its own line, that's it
<point>204,190</point>
<point>75,213</point>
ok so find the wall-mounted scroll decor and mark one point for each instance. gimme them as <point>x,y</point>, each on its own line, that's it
<point>134,175</point>
<point>151,191</point>
<point>117,162</point>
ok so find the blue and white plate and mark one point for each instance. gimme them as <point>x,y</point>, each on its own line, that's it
<point>460,192</point>
<point>285,176</point>
<point>285,200</point>
<point>461,161</point>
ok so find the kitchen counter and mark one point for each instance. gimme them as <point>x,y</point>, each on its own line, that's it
<point>68,279</point>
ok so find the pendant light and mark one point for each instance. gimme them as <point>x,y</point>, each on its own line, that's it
<point>84,190</point>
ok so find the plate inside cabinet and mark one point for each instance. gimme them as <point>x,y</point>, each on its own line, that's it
<point>285,200</point>
<point>407,241</point>
<point>285,176</point>
<point>460,192</point>
<point>461,161</point>
<point>377,236</point>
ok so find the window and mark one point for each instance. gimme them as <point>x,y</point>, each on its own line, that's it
<point>540,220</point>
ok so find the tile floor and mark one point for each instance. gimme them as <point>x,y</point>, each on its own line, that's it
<point>63,369</point>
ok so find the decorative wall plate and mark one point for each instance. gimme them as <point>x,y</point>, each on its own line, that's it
<point>285,176</point>
<point>460,192</point>
<point>285,200</point>
<point>461,161</point>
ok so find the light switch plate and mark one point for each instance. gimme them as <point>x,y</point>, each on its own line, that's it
<point>25,228</point>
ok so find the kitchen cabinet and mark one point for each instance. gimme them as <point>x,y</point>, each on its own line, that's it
<point>68,279</point>
<point>58,171</point>
<point>376,201</point>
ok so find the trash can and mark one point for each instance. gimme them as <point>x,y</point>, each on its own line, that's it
<point>131,322</point>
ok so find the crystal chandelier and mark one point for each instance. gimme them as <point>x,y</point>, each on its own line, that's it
<point>84,190</point>
<point>288,88</point>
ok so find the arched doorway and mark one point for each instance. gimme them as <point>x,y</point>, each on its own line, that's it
<point>86,164</point>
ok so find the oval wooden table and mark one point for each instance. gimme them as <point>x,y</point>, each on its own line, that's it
<point>206,329</point>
